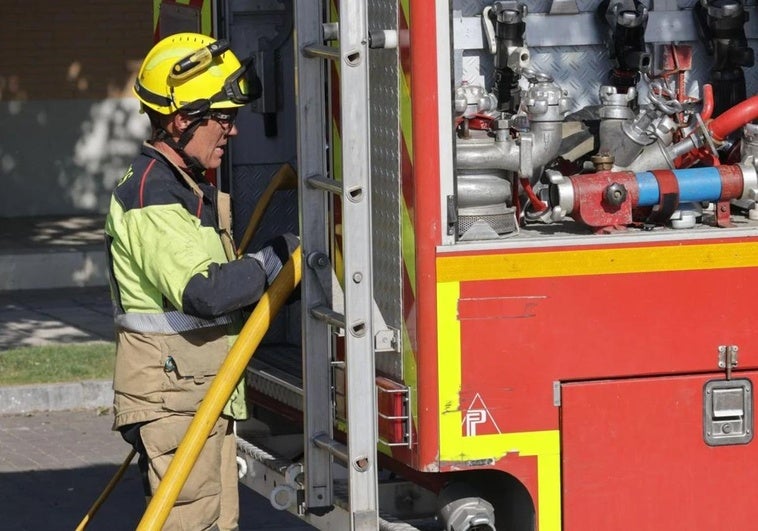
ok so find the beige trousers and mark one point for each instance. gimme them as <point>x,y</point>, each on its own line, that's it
<point>209,498</point>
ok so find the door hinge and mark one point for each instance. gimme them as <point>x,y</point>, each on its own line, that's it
<point>728,358</point>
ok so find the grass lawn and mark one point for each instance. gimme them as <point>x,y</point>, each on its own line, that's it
<point>57,363</point>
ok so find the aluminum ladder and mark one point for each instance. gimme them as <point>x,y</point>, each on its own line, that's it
<point>320,315</point>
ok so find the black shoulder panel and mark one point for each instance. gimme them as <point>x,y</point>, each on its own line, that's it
<point>151,181</point>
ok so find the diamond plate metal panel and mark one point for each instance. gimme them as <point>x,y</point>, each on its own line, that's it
<point>580,70</point>
<point>248,184</point>
<point>385,182</point>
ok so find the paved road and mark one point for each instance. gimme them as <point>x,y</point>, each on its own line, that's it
<point>54,465</point>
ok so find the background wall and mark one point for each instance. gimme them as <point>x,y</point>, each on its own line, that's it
<point>68,123</point>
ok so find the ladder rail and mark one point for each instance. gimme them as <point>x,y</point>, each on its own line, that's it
<point>314,213</point>
<point>360,372</point>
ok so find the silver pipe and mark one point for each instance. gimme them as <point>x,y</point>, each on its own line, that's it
<point>685,146</point>
<point>337,449</point>
<point>546,143</point>
<point>506,155</point>
<point>652,157</point>
<point>489,156</point>
<point>460,509</point>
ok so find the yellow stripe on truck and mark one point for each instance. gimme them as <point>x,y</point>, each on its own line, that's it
<point>454,447</point>
<point>606,261</point>
<point>409,236</point>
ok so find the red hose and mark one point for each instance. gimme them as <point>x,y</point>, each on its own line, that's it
<point>537,203</point>
<point>701,155</point>
<point>731,120</point>
<point>707,109</point>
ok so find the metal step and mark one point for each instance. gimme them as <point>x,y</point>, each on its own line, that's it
<point>276,372</point>
<point>403,505</point>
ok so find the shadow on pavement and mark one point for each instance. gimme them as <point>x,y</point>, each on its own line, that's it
<point>59,499</point>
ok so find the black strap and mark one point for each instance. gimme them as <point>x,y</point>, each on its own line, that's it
<point>151,97</point>
<point>131,434</point>
<point>195,168</point>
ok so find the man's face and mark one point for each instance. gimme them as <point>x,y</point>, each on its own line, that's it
<point>211,137</point>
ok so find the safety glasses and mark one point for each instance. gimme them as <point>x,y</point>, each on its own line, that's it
<point>225,117</point>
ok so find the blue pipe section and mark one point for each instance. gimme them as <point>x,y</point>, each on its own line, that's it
<point>695,184</point>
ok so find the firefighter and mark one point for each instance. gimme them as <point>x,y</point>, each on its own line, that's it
<point>177,290</point>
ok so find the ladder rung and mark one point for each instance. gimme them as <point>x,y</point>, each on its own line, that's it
<point>324,183</point>
<point>329,316</point>
<point>337,449</point>
<point>322,51</point>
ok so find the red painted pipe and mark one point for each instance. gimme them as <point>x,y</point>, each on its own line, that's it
<point>707,109</point>
<point>731,120</point>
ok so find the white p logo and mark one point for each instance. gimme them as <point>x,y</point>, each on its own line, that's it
<point>474,417</point>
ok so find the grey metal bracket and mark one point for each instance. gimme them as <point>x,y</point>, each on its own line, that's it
<point>728,358</point>
<point>385,340</point>
<point>563,7</point>
<point>331,307</point>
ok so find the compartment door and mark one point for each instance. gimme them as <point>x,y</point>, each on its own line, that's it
<point>672,452</point>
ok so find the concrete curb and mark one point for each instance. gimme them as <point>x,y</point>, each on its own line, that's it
<point>21,399</point>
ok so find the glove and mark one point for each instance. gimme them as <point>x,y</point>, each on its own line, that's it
<point>275,254</point>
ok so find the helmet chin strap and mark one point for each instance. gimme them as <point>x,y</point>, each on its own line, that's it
<point>193,165</point>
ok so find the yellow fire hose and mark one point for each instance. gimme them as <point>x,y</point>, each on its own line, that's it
<point>284,179</point>
<point>219,392</point>
<point>107,491</point>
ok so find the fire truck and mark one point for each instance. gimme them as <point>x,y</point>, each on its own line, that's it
<point>529,234</point>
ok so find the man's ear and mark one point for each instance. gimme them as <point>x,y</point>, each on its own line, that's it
<point>180,122</point>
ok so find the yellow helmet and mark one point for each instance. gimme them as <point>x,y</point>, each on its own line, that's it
<point>192,72</point>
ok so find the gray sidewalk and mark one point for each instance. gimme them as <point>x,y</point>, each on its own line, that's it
<point>56,315</point>
<point>52,252</point>
<point>53,291</point>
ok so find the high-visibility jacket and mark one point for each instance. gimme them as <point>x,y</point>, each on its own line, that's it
<point>177,290</point>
